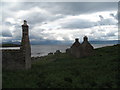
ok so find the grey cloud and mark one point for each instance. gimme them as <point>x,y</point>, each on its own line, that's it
<point>66,8</point>
<point>101,35</point>
<point>35,18</point>
<point>72,8</point>
<point>17,34</point>
<point>60,9</point>
<point>9,10</point>
<point>110,34</point>
<point>118,16</point>
<point>114,15</point>
<point>108,21</point>
<point>78,24</point>
<point>101,17</point>
<point>35,35</point>
<point>81,24</point>
<point>84,7</point>
<point>6,33</point>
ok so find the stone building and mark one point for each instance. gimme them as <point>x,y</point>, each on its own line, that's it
<point>81,50</point>
<point>87,47</point>
<point>19,58</point>
<point>76,49</point>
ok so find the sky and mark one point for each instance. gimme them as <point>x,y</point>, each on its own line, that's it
<point>60,21</point>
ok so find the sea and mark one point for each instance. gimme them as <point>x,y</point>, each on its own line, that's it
<point>43,50</point>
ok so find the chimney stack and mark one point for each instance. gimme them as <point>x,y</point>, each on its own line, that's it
<point>25,45</point>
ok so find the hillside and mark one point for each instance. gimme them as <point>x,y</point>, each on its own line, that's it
<point>64,71</point>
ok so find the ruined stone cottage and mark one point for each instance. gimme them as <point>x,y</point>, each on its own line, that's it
<point>87,47</point>
<point>19,58</point>
<point>81,50</point>
<point>76,49</point>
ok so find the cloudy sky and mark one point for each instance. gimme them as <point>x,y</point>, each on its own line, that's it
<point>60,21</point>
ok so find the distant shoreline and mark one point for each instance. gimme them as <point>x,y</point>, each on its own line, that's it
<point>43,50</point>
<point>36,57</point>
<point>9,45</point>
<point>39,52</point>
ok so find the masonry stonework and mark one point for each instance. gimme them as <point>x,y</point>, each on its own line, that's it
<point>19,58</point>
<point>87,47</point>
<point>25,45</point>
<point>76,49</point>
<point>81,50</point>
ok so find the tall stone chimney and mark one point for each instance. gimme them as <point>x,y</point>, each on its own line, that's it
<point>85,38</point>
<point>25,45</point>
<point>76,40</point>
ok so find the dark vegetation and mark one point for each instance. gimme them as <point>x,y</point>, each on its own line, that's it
<point>64,71</point>
<point>10,45</point>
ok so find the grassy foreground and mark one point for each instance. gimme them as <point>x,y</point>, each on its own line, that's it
<point>64,71</point>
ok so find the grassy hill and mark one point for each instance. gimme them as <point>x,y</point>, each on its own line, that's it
<point>64,71</point>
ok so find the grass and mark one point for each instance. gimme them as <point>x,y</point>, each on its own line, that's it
<point>64,71</point>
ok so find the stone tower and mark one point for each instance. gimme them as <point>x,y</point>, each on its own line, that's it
<point>25,45</point>
<point>87,47</point>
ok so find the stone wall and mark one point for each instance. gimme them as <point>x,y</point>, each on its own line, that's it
<point>13,59</point>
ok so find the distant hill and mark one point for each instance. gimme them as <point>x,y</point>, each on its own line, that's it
<point>106,42</point>
<point>10,45</point>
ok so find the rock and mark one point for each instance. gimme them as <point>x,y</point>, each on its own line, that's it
<point>57,52</point>
<point>68,50</point>
<point>50,53</point>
